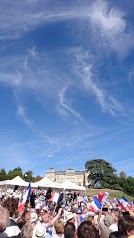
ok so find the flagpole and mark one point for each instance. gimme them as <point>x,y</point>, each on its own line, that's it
<point>64,200</point>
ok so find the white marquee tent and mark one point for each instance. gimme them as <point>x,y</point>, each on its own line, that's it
<point>71,186</point>
<point>45,183</point>
<point>15,181</point>
<point>19,181</point>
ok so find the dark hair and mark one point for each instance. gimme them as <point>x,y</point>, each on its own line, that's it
<point>21,222</point>
<point>126,224</point>
<point>117,234</point>
<point>69,230</point>
<point>87,229</point>
<point>11,204</point>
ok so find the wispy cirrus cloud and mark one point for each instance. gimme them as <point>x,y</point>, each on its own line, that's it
<point>21,111</point>
<point>131,77</point>
<point>110,29</point>
<point>65,107</point>
<point>84,68</point>
<point>31,14</point>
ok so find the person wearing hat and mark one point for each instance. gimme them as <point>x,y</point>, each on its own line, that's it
<point>40,231</point>
<point>33,219</point>
<point>69,217</point>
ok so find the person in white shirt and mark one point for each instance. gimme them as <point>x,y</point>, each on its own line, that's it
<point>59,229</point>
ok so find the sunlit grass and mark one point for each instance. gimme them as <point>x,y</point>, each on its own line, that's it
<point>113,193</point>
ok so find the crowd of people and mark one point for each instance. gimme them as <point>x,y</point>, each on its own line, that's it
<point>70,217</point>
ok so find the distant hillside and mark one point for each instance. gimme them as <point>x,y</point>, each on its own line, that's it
<point>113,193</point>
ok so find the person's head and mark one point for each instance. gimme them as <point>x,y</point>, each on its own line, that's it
<point>126,225</point>
<point>33,218</point>
<point>86,229</point>
<point>85,210</point>
<point>45,217</point>
<point>116,211</point>
<point>90,217</point>
<point>40,231</point>
<point>108,220</point>
<point>117,234</point>
<point>27,231</point>
<point>69,230</point>
<point>4,218</point>
<point>21,222</point>
<point>70,218</point>
<point>26,215</point>
<point>11,204</point>
<point>59,227</point>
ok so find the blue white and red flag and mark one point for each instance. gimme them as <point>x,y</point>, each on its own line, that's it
<point>95,205</point>
<point>102,197</point>
<point>25,196</point>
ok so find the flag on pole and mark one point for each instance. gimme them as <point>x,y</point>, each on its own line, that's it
<point>56,197</point>
<point>124,202</point>
<point>102,197</point>
<point>26,195</point>
<point>95,205</point>
<point>120,205</point>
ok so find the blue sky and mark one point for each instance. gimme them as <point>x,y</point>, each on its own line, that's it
<point>66,84</point>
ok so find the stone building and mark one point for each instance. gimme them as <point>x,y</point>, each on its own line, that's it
<point>59,176</point>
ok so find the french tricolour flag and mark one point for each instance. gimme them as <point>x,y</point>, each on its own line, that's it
<point>102,197</point>
<point>56,197</point>
<point>119,204</point>
<point>26,195</point>
<point>124,202</point>
<point>95,205</point>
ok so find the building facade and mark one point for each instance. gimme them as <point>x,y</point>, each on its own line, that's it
<point>59,176</point>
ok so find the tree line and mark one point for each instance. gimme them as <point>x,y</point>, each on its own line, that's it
<point>101,174</point>
<point>27,176</point>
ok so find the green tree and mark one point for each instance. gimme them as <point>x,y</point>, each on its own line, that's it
<point>15,172</point>
<point>128,186</point>
<point>28,176</point>
<point>10,174</point>
<point>101,174</point>
<point>3,174</point>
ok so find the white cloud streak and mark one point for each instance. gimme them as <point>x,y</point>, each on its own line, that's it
<point>26,15</point>
<point>109,28</point>
<point>64,107</point>
<point>85,70</point>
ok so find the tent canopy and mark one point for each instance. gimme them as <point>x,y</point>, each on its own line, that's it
<point>43,183</point>
<point>71,186</point>
<point>18,181</point>
<point>15,181</point>
<point>46,183</point>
